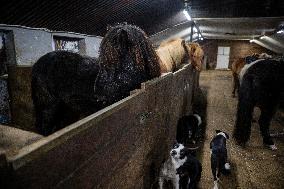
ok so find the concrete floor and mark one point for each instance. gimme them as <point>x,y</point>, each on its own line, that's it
<point>253,167</point>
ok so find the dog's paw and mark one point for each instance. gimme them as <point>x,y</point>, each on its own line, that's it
<point>227,166</point>
<point>272,147</point>
<point>215,184</point>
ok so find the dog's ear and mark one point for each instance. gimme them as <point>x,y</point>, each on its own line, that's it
<point>175,144</point>
<point>218,131</point>
<point>227,136</point>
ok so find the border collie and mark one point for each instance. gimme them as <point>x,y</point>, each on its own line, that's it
<point>182,169</point>
<point>187,128</point>
<point>219,157</point>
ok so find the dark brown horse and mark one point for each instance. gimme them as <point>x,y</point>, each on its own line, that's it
<point>262,86</point>
<point>68,86</point>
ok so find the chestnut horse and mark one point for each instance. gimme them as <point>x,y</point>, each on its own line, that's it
<point>237,67</point>
<point>176,52</point>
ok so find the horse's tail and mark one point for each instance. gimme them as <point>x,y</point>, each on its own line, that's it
<point>244,112</point>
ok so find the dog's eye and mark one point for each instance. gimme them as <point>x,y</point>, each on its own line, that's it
<point>176,146</point>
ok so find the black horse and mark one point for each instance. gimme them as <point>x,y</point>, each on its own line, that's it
<point>261,86</point>
<point>67,86</point>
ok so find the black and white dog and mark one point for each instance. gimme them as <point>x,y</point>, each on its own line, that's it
<point>219,157</point>
<point>187,128</point>
<point>182,169</point>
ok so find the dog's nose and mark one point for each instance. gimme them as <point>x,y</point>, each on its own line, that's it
<point>173,152</point>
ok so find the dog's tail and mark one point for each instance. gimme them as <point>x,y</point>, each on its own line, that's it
<point>194,148</point>
<point>198,118</point>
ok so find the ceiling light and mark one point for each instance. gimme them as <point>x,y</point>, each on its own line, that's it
<point>252,40</point>
<point>262,37</point>
<point>188,17</point>
<point>280,31</point>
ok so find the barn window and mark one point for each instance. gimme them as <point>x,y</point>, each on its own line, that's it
<point>75,45</point>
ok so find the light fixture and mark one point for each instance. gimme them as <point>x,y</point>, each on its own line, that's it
<point>251,41</point>
<point>262,37</point>
<point>188,17</point>
<point>280,31</point>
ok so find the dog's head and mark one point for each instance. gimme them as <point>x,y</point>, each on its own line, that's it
<point>178,151</point>
<point>224,134</point>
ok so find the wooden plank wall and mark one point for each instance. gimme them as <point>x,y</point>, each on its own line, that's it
<point>22,109</point>
<point>121,146</point>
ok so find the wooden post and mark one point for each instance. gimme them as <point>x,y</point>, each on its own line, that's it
<point>191,32</point>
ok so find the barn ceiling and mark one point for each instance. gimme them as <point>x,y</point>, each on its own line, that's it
<point>216,19</point>
<point>91,16</point>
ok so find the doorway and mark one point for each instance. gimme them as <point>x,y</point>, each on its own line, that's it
<point>223,56</point>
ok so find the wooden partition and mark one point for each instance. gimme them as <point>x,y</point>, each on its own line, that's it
<point>121,146</point>
<point>22,110</point>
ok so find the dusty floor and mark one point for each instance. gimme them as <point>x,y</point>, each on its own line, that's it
<point>253,167</point>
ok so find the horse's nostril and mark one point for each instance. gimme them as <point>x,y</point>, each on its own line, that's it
<point>174,152</point>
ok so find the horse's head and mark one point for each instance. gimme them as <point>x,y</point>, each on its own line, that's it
<point>196,55</point>
<point>125,41</point>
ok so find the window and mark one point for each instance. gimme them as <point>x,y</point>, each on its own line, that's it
<point>69,44</point>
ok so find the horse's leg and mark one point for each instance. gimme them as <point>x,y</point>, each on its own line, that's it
<point>246,104</point>
<point>46,119</point>
<point>264,123</point>
<point>235,84</point>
